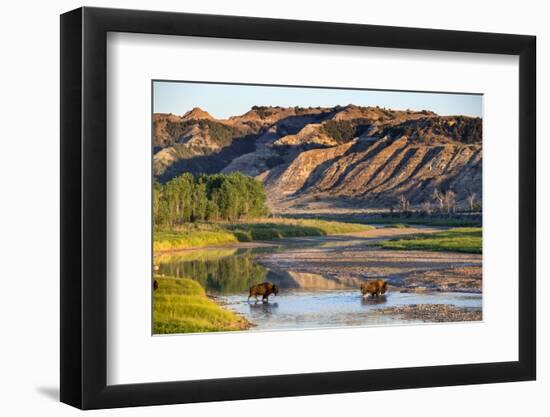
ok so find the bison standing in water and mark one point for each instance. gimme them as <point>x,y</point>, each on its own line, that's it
<point>265,289</point>
<point>374,287</point>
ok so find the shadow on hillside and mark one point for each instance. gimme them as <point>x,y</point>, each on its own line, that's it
<point>217,161</point>
<point>212,163</point>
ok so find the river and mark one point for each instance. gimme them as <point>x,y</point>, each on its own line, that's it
<point>320,278</point>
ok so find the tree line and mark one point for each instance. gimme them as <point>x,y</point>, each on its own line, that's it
<point>190,198</point>
<point>445,201</point>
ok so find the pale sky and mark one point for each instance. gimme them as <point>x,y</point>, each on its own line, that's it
<point>224,100</point>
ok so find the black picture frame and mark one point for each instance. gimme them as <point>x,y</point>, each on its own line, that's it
<point>84,207</point>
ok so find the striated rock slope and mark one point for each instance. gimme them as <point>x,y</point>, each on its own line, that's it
<point>341,157</point>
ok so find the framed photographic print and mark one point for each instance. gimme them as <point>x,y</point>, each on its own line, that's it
<point>257,208</point>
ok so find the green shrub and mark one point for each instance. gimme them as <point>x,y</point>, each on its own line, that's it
<point>340,130</point>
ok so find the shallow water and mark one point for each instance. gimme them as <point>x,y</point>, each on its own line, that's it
<point>297,309</point>
<point>306,298</point>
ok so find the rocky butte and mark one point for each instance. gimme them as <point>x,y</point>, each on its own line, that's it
<point>344,157</point>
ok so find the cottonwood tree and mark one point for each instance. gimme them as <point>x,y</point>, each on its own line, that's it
<point>471,200</point>
<point>439,197</point>
<point>426,207</point>
<point>446,200</point>
<point>404,204</point>
<point>208,197</point>
<point>450,201</point>
<point>199,202</point>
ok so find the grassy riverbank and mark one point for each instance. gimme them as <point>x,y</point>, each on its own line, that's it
<point>180,305</point>
<point>426,221</point>
<point>465,239</point>
<point>376,219</point>
<point>191,238</point>
<point>196,235</point>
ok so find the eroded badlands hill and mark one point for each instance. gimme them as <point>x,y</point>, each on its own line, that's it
<point>342,157</point>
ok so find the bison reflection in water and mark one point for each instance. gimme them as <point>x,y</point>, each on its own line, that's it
<point>366,301</point>
<point>265,289</point>
<point>262,310</point>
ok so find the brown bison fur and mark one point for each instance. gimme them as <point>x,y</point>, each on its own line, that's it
<point>374,287</point>
<point>265,289</point>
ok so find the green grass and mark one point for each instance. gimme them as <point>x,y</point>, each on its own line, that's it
<point>271,229</point>
<point>377,219</point>
<point>180,305</point>
<point>202,235</point>
<point>468,240</point>
<point>428,221</point>
<point>203,255</point>
<point>333,227</point>
<point>413,220</point>
<point>164,241</point>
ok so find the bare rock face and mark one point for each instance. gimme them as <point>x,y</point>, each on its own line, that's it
<point>379,174</point>
<point>197,114</point>
<point>251,164</point>
<point>350,156</point>
<point>305,170</point>
<point>163,159</point>
<point>311,134</point>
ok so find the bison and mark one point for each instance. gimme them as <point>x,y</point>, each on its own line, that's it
<point>265,289</point>
<point>374,287</point>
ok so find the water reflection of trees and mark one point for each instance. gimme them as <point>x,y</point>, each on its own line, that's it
<point>232,274</point>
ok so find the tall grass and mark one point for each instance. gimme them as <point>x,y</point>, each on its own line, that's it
<point>332,227</point>
<point>203,255</point>
<point>387,220</point>
<point>207,234</point>
<point>164,241</point>
<point>270,229</point>
<point>180,305</point>
<point>428,221</point>
<point>466,239</point>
